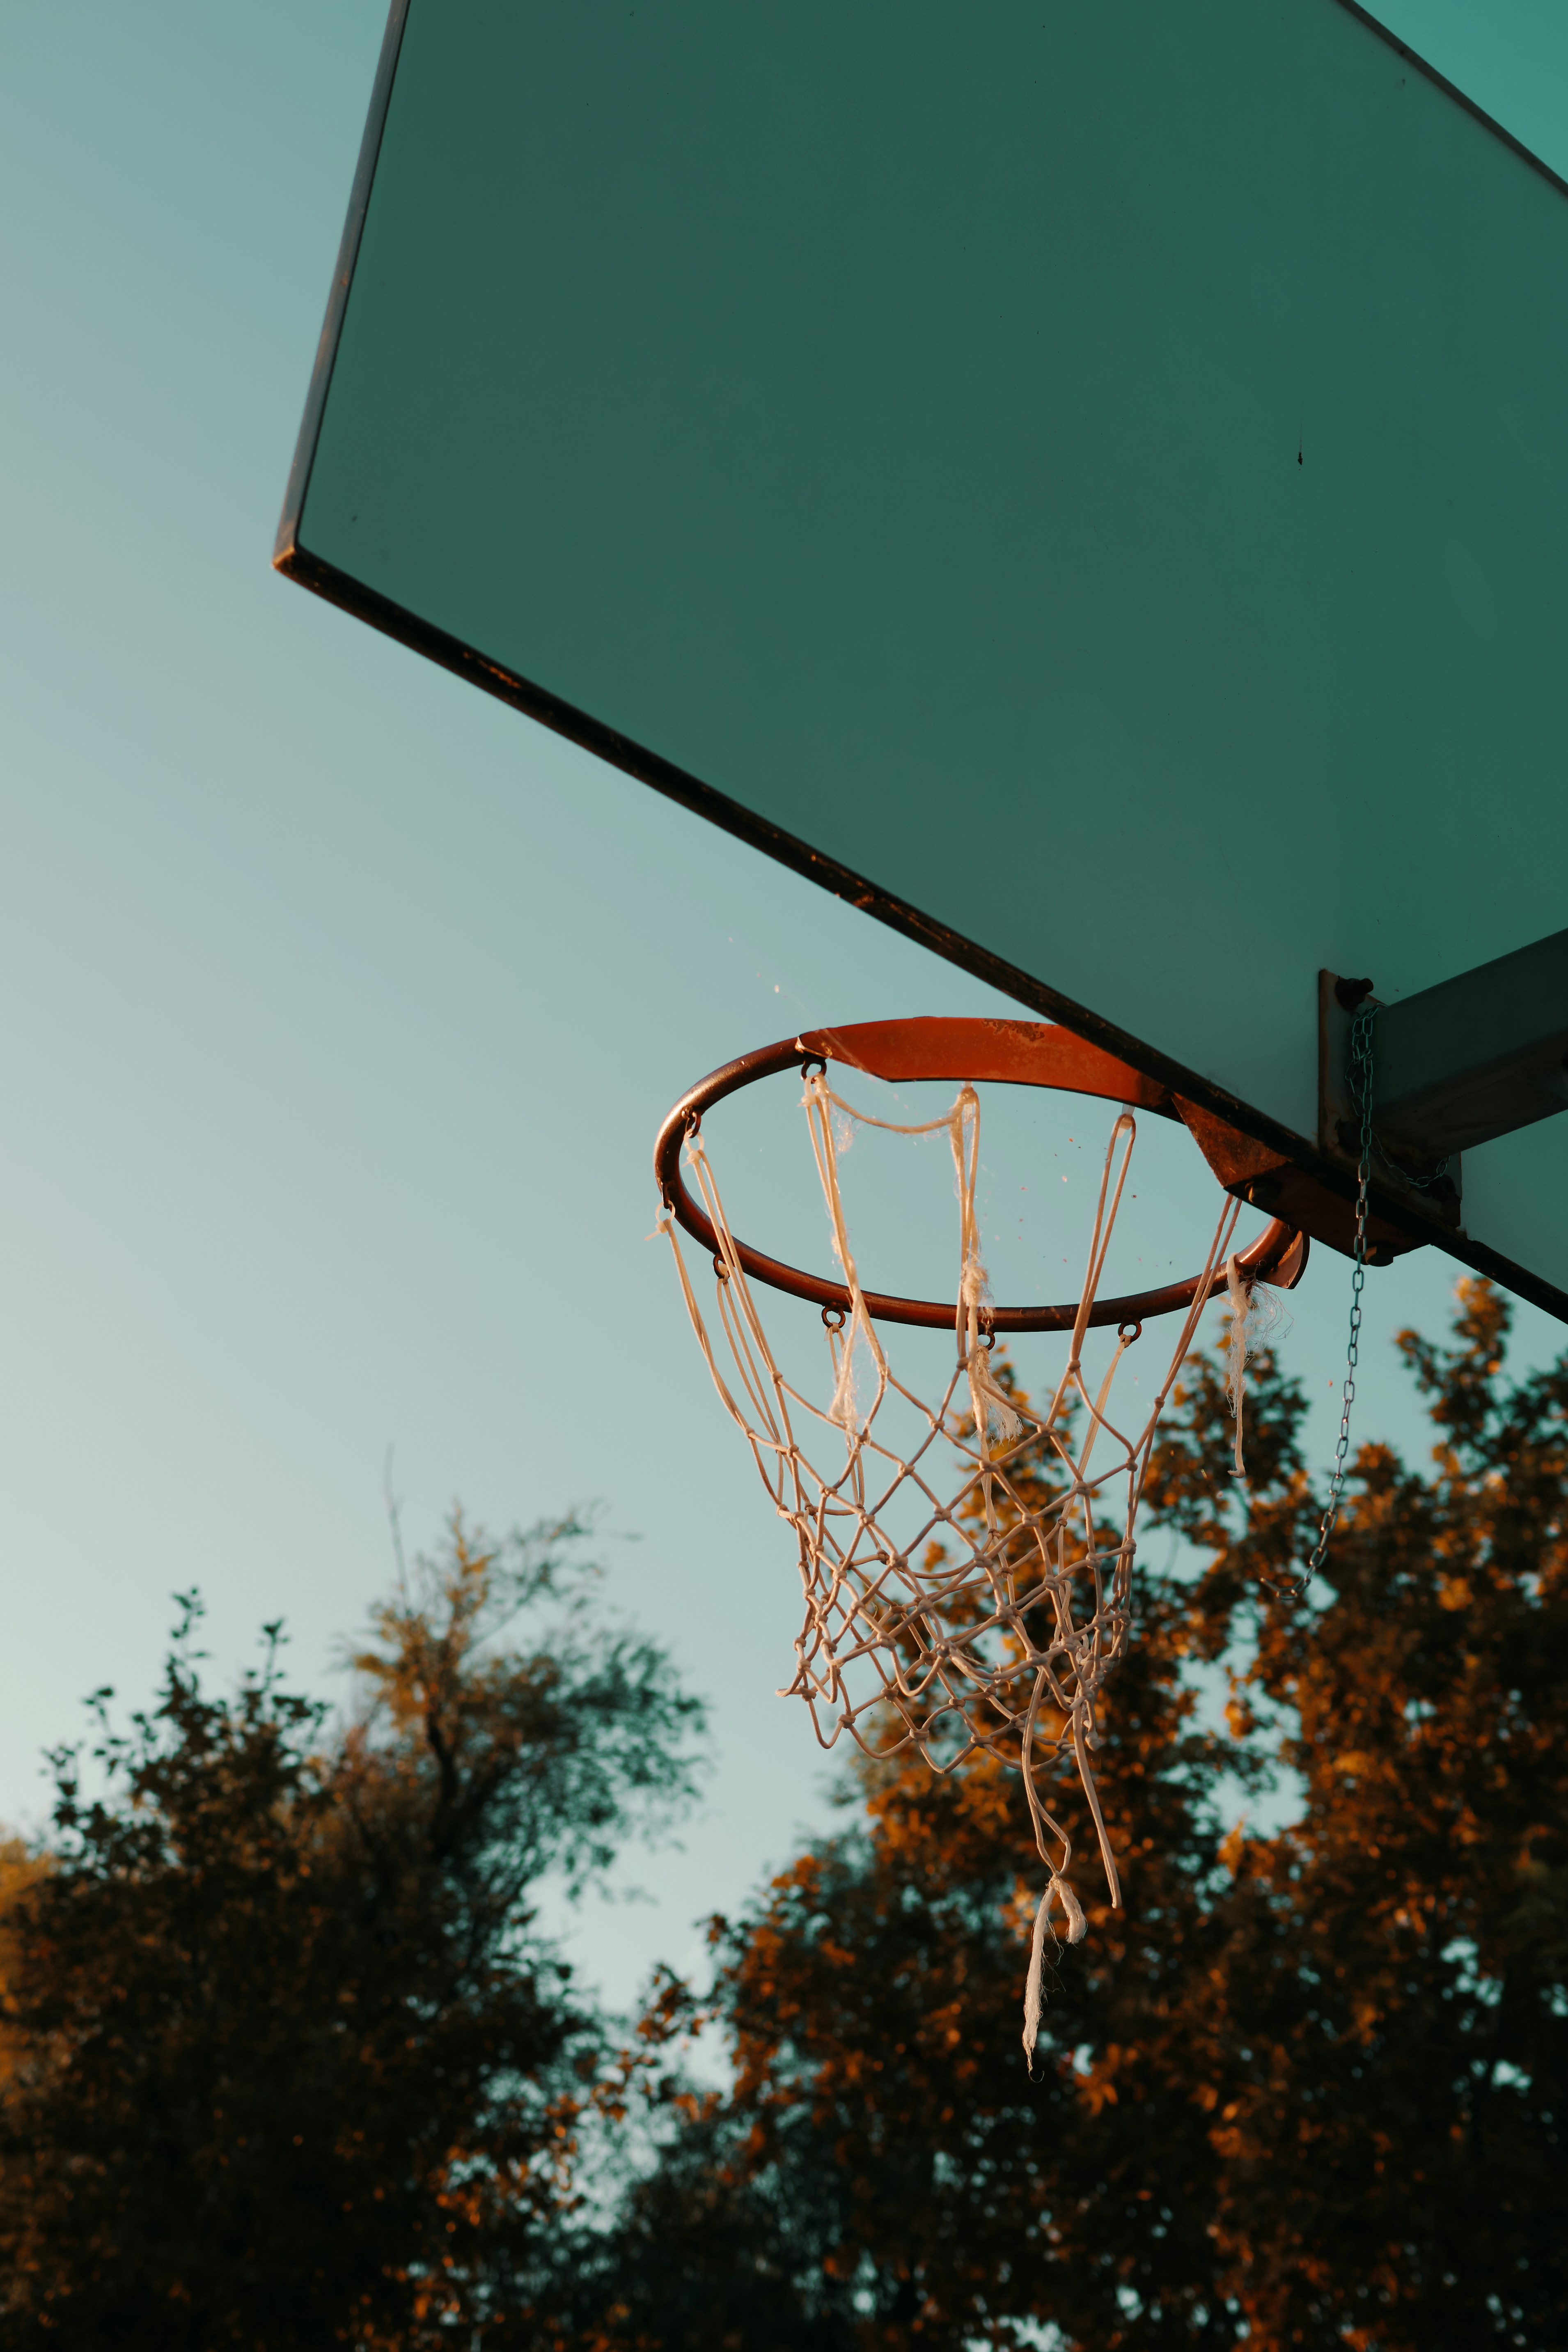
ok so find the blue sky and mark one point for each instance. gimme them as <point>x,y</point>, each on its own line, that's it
<point>341,1004</point>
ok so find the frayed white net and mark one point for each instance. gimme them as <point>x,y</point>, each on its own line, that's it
<point>966,1563</point>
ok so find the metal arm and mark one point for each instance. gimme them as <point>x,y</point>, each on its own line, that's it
<point>1476,1056</point>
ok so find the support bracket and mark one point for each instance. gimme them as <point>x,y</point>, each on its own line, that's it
<point>1476,1056</point>
<point>1454,1067</point>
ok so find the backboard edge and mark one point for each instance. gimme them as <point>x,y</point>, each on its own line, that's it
<point>1451,89</point>
<point>342,280</point>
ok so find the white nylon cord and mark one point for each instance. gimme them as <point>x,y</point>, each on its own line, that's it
<point>1256,1314</point>
<point>951,1610</point>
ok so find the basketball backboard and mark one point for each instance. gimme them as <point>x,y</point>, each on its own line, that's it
<point>1087,483</point>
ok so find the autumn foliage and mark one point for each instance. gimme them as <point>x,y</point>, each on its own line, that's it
<point>1310,2089</point>
<point>289,2062</point>
<point>285,2060</point>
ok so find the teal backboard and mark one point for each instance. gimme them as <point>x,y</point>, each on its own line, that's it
<point>1089,483</point>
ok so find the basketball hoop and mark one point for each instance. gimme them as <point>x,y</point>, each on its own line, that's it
<point>966,1563</point>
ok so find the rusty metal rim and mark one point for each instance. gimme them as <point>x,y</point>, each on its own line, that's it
<point>1279,1252</point>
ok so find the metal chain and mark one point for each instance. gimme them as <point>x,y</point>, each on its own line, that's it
<point>1359,1074</point>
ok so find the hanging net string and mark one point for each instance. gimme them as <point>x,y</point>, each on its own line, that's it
<point>966,1562</point>
<point>989,1405</point>
<point>1257,1315</point>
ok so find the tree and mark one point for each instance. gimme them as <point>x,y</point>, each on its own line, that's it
<point>1310,2090</point>
<point>290,2061</point>
<point>1396,1962</point>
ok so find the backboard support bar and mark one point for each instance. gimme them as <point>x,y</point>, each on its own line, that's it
<point>1476,1056</point>
<point>1455,1067</point>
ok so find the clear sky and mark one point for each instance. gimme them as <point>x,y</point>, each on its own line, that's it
<point>339,1005</point>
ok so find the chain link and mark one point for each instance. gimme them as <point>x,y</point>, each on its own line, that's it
<point>1359,1074</point>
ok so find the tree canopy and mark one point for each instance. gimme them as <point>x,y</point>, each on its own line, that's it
<point>1309,2089</point>
<point>287,2061</point>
